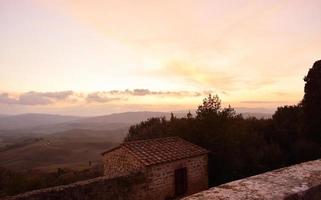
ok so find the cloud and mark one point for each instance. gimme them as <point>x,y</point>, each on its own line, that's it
<point>125,95</point>
<point>147,92</point>
<point>144,92</point>
<point>221,77</point>
<point>141,92</point>
<point>198,74</point>
<point>264,102</point>
<point>100,97</point>
<point>6,99</point>
<point>35,98</point>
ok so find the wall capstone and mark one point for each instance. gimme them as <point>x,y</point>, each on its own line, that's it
<point>101,188</point>
<point>297,182</point>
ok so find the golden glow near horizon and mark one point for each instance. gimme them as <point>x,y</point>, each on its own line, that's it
<point>88,57</point>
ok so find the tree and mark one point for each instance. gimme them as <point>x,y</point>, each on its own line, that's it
<point>152,128</point>
<point>287,123</point>
<point>210,106</point>
<point>189,115</point>
<point>312,102</point>
<point>238,146</point>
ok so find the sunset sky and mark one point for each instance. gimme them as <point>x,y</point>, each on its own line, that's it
<point>90,57</point>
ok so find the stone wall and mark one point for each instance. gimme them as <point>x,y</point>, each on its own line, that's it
<point>297,182</point>
<point>102,188</point>
<point>153,182</point>
<point>161,178</point>
<point>120,163</point>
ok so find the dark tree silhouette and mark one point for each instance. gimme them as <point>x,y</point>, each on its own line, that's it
<point>238,146</point>
<point>312,102</point>
<point>211,105</point>
<point>189,115</point>
<point>287,124</point>
<point>241,146</point>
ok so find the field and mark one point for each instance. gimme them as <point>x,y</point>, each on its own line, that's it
<point>75,149</point>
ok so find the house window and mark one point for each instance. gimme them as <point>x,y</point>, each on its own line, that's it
<point>180,181</point>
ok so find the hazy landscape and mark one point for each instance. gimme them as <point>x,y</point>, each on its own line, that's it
<point>194,95</point>
<point>46,142</point>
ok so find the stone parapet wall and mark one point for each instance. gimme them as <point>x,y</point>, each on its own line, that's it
<point>297,182</point>
<point>102,188</point>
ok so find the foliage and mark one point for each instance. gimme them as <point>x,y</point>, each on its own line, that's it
<point>239,146</point>
<point>12,182</point>
<point>312,102</point>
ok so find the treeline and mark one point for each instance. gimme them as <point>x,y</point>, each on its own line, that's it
<point>242,147</point>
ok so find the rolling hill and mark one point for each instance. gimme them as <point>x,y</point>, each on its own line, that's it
<point>71,149</point>
<point>126,117</point>
<point>32,119</point>
<point>47,124</point>
<point>47,142</point>
<point>257,115</point>
<point>2,116</point>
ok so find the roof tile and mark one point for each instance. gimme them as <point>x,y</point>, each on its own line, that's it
<point>155,151</point>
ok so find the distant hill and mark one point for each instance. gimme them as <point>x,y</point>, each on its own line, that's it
<point>47,124</point>
<point>72,149</point>
<point>257,115</point>
<point>47,142</point>
<point>61,127</point>
<point>1,116</point>
<point>255,110</point>
<point>128,117</point>
<point>32,120</point>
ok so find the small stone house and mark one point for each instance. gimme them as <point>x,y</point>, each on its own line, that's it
<point>172,167</point>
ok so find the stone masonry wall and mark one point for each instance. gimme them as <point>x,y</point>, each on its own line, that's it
<point>102,188</point>
<point>120,163</point>
<point>297,182</point>
<point>161,178</point>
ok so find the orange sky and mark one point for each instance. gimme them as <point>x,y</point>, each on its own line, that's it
<point>101,56</point>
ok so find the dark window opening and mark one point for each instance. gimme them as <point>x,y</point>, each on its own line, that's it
<point>180,181</point>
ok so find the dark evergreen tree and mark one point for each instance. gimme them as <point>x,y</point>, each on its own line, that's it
<point>210,106</point>
<point>189,115</point>
<point>287,124</point>
<point>240,146</point>
<point>312,102</point>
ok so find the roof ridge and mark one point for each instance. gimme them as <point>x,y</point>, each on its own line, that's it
<point>146,140</point>
<point>165,149</point>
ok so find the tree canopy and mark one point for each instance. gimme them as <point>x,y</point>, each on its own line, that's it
<point>242,146</point>
<point>312,102</point>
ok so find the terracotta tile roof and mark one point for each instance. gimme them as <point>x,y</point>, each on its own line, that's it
<point>154,151</point>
